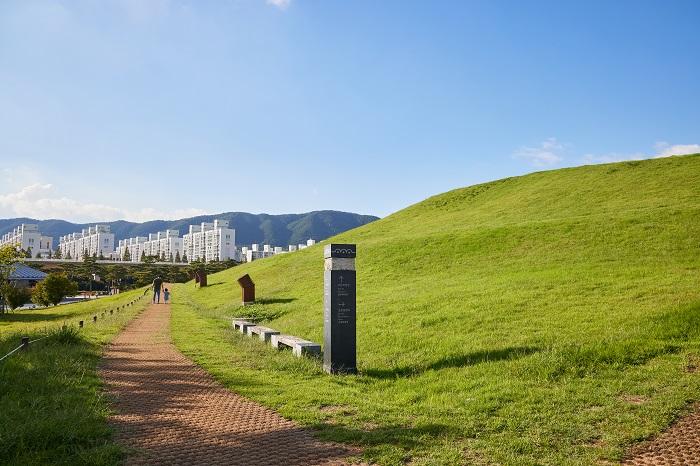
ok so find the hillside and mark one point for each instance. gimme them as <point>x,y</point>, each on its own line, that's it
<point>552,318</point>
<point>279,230</point>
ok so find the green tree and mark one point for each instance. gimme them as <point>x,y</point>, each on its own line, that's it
<point>101,256</point>
<point>143,256</point>
<point>162,256</point>
<point>68,255</point>
<point>177,256</point>
<point>170,259</point>
<point>53,289</point>
<point>184,257</point>
<point>127,255</point>
<point>28,253</point>
<point>38,255</point>
<point>15,296</point>
<point>39,295</point>
<point>85,254</point>
<point>9,257</point>
<point>51,254</point>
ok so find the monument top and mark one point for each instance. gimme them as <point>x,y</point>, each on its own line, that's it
<point>245,281</point>
<point>340,250</point>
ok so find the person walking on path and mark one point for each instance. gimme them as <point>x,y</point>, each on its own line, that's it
<point>157,286</point>
<point>166,296</point>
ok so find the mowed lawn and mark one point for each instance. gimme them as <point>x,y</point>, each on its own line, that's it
<point>552,318</point>
<point>52,410</point>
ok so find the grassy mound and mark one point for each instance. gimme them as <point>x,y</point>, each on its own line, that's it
<point>552,318</point>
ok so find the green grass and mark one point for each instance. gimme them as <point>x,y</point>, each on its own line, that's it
<point>543,319</point>
<point>52,410</point>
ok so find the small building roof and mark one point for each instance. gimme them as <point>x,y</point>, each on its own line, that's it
<point>24,272</point>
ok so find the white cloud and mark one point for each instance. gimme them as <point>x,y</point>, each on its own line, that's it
<point>662,149</point>
<point>612,157</point>
<point>281,4</point>
<point>39,201</point>
<point>548,152</point>
<point>665,149</point>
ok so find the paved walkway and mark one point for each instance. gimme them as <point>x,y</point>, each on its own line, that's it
<point>170,411</point>
<point>679,445</point>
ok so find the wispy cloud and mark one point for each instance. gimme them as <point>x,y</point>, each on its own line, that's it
<point>661,149</point>
<point>665,149</point>
<point>40,201</point>
<point>547,153</point>
<point>281,4</point>
<point>612,157</point>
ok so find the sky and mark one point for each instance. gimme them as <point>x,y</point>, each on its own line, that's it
<point>163,109</point>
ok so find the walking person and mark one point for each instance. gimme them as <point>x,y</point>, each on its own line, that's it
<point>157,286</point>
<point>166,296</point>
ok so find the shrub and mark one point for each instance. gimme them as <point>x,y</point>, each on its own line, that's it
<point>15,296</point>
<point>53,289</point>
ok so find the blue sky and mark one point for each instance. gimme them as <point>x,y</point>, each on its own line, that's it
<point>143,109</point>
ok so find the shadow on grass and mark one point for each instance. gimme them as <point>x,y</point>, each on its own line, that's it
<point>374,440</point>
<point>264,301</point>
<point>455,361</point>
<point>27,316</point>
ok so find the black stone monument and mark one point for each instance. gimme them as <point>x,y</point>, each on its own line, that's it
<point>339,313</point>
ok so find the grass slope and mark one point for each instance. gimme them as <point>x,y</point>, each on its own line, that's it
<point>52,410</point>
<point>552,318</point>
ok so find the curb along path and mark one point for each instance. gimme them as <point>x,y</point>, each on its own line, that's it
<point>170,411</point>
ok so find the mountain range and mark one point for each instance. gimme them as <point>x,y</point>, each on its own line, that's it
<point>278,230</point>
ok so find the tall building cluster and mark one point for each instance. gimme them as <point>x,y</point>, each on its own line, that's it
<point>165,245</point>
<point>93,241</point>
<point>208,241</point>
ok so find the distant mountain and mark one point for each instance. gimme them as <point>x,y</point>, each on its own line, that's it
<point>278,230</point>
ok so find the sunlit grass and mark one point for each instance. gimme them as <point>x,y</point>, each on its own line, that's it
<point>545,319</point>
<point>52,410</point>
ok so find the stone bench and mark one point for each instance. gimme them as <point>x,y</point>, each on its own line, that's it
<point>264,333</point>
<point>241,324</point>
<point>298,345</point>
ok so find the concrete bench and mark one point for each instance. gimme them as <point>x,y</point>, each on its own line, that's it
<point>241,325</point>
<point>264,333</point>
<point>298,345</point>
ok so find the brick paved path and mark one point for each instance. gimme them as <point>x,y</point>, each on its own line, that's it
<point>679,445</point>
<point>170,411</point>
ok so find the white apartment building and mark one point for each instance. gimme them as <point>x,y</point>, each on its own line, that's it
<point>161,244</point>
<point>254,252</point>
<point>97,240</point>
<point>210,242</point>
<point>166,244</point>
<point>27,236</point>
<point>134,245</point>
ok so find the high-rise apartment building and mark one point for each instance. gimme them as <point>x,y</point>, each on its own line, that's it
<point>210,242</point>
<point>93,241</point>
<point>27,237</point>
